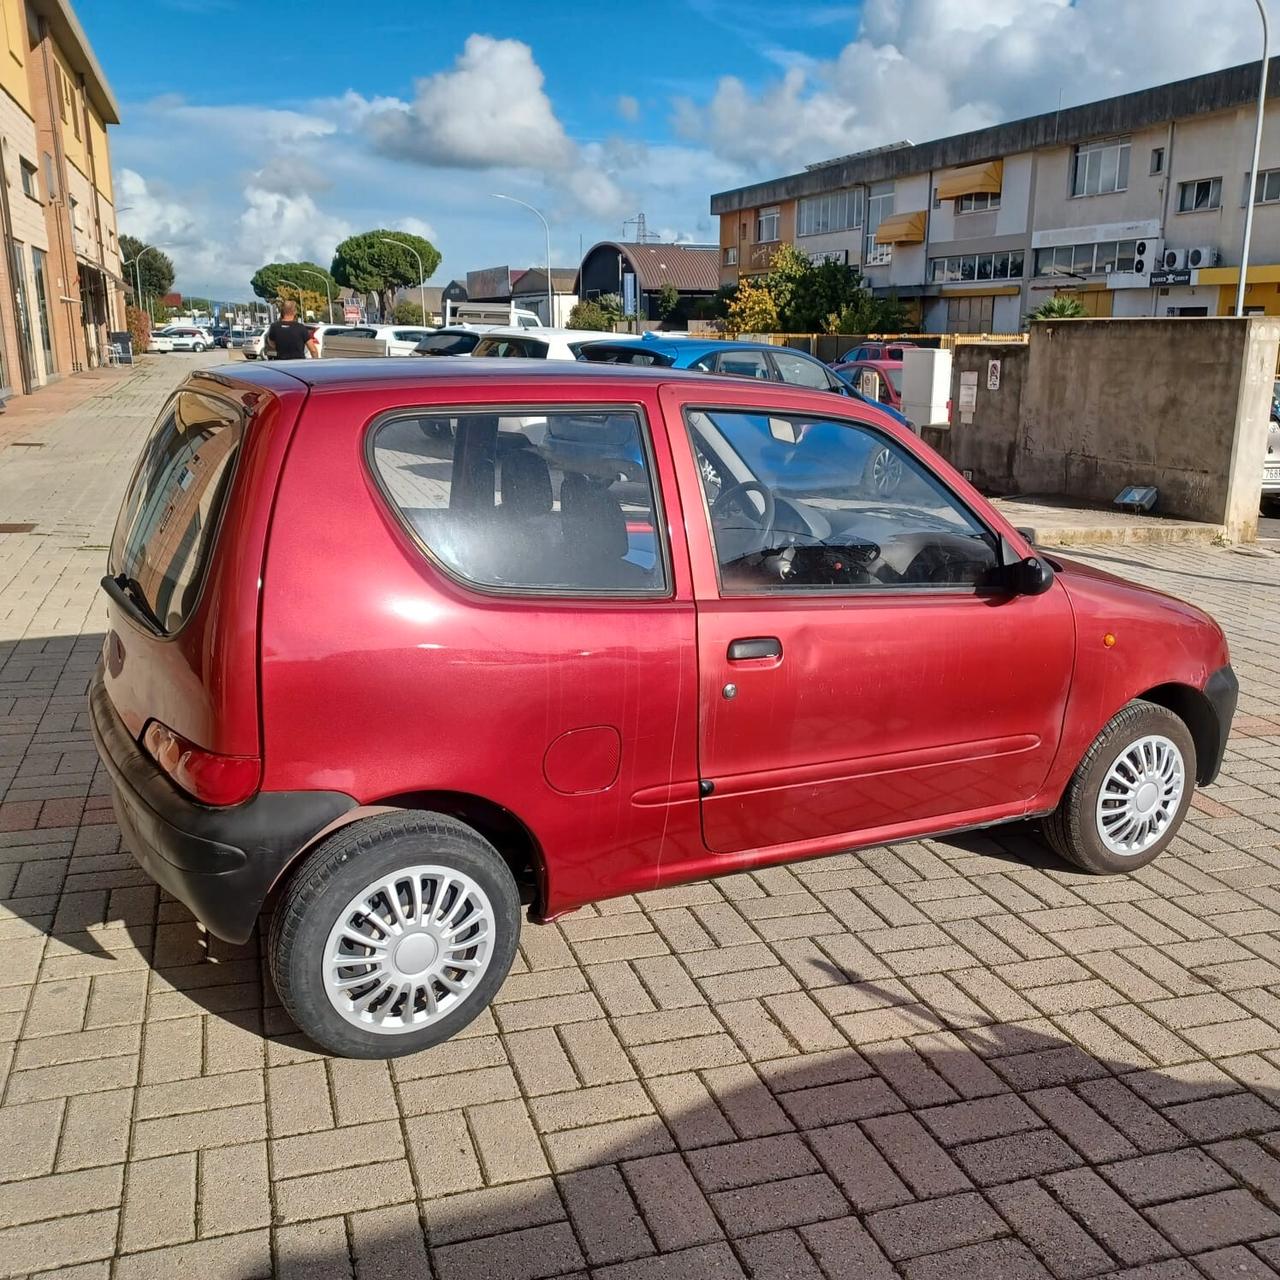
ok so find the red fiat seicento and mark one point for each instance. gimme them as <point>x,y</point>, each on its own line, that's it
<point>397,646</point>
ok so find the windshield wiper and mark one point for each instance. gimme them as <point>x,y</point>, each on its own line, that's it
<point>128,594</point>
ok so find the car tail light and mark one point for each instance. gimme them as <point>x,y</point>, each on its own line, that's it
<point>204,775</point>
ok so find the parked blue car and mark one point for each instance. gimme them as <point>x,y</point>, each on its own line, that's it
<point>740,359</point>
<point>876,471</point>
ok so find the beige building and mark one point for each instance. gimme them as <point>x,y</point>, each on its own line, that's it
<point>1134,204</point>
<point>61,287</point>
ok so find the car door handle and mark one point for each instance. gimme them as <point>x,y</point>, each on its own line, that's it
<point>754,647</point>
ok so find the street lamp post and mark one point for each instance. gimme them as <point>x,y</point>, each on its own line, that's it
<point>1252,194</point>
<point>281,280</point>
<point>422,284</point>
<point>137,273</point>
<point>551,317</point>
<point>328,293</point>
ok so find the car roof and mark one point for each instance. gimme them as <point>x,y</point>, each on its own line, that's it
<point>874,362</point>
<point>546,331</point>
<point>369,372</point>
<point>679,345</point>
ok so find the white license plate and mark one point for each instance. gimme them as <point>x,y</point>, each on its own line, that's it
<point>1271,473</point>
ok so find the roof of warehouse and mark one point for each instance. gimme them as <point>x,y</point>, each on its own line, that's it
<point>691,270</point>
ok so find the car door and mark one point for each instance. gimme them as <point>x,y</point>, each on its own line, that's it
<point>860,672</point>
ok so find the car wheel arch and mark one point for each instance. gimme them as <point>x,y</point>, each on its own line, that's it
<point>509,834</point>
<point>1193,708</point>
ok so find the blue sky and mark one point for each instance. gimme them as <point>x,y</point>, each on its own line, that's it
<point>254,131</point>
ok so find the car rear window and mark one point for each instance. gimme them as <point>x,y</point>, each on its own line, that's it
<point>528,348</point>
<point>523,500</point>
<point>447,344</point>
<point>603,353</point>
<point>165,533</point>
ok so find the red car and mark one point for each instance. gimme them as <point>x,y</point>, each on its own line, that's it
<point>396,646</point>
<point>877,380</point>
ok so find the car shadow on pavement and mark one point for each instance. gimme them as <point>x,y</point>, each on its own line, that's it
<point>927,1141</point>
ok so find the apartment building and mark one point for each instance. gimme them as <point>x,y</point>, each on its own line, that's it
<point>61,286</point>
<point>1134,204</point>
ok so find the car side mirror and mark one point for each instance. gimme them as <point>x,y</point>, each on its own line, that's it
<point>1029,577</point>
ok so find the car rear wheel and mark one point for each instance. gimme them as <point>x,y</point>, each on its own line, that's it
<point>883,473</point>
<point>1129,795</point>
<point>197,347</point>
<point>394,934</point>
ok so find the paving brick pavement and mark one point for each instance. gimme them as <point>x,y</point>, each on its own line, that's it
<point>946,1058</point>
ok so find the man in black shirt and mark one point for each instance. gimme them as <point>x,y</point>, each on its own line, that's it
<point>289,338</point>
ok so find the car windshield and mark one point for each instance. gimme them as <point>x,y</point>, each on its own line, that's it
<point>894,376</point>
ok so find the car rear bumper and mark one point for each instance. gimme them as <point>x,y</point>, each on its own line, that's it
<point>220,862</point>
<point>1222,689</point>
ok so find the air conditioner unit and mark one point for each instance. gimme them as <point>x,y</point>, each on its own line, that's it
<point>1174,259</point>
<point>1204,255</point>
<point>1146,257</point>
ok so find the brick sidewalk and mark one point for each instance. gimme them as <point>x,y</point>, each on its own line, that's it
<point>953,1058</point>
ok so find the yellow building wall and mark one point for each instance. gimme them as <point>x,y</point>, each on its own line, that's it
<point>13,69</point>
<point>101,154</point>
<point>69,115</point>
<point>1266,296</point>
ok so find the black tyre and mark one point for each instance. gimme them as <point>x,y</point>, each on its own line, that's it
<point>394,934</point>
<point>1130,793</point>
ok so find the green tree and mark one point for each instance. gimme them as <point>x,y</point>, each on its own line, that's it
<point>752,310</point>
<point>611,305</point>
<point>589,314</point>
<point>267,283</point>
<point>368,264</point>
<point>1062,306</point>
<point>823,292</point>
<point>407,312</point>
<point>155,269</point>
<point>790,272</point>
<point>668,301</point>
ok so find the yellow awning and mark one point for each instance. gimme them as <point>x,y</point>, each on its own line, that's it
<point>972,179</point>
<point>902,228</point>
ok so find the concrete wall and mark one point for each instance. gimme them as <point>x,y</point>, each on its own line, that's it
<point>1182,404</point>
<point>986,447</point>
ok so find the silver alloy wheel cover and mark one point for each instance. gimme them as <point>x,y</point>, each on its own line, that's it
<point>1141,795</point>
<point>408,949</point>
<point>886,472</point>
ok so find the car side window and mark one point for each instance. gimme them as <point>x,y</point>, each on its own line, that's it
<point>801,503</point>
<point>744,364</point>
<point>528,500</point>
<point>799,372</point>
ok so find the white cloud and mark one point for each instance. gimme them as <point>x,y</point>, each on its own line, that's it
<point>280,228</point>
<point>929,68</point>
<point>415,227</point>
<point>490,109</point>
<point>628,107</point>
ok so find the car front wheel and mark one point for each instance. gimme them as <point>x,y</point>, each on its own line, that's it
<point>394,934</point>
<point>1130,793</point>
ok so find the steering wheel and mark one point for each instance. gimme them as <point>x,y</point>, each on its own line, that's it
<point>756,532</point>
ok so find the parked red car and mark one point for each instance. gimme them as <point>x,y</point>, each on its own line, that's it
<point>395,646</point>
<point>878,380</point>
